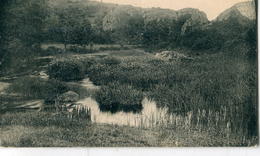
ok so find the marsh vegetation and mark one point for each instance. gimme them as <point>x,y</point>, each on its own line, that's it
<point>66,83</point>
<point>204,96</point>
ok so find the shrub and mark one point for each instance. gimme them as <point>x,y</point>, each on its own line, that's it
<point>88,62</point>
<point>2,106</point>
<point>115,97</point>
<point>109,61</point>
<point>66,70</point>
<point>55,87</point>
<point>29,87</point>
<point>38,88</point>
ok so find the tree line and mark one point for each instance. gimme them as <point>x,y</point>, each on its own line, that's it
<point>26,24</point>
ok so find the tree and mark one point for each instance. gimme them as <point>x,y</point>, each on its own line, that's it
<point>22,33</point>
<point>24,20</point>
<point>151,34</point>
<point>69,25</point>
<point>81,33</point>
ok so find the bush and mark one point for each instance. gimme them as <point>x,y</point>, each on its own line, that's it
<point>29,87</point>
<point>88,62</point>
<point>66,71</point>
<point>109,61</point>
<point>2,106</point>
<point>115,97</point>
<point>56,87</point>
<point>38,88</point>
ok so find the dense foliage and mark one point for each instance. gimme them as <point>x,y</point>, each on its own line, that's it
<point>66,71</point>
<point>22,33</point>
<point>115,97</point>
<point>38,88</point>
<point>28,24</point>
<point>215,87</point>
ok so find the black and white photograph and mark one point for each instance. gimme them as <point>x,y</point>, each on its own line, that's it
<point>121,73</point>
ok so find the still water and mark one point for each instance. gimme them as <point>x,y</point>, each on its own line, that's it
<point>149,116</point>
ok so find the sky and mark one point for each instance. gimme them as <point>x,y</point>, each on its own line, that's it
<point>211,7</point>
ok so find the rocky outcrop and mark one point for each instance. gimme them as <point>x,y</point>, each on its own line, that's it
<point>119,17</point>
<point>171,56</point>
<point>69,96</point>
<point>193,17</point>
<point>240,11</point>
<point>158,15</point>
<point>66,97</point>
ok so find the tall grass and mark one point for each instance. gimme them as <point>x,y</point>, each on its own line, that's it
<point>38,88</point>
<point>211,123</point>
<point>43,129</point>
<point>211,83</point>
<point>115,97</point>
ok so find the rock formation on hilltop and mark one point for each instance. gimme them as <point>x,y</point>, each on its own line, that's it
<point>171,56</point>
<point>243,10</point>
<point>156,28</point>
<point>120,16</point>
<point>158,14</point>
<point>195,18</point>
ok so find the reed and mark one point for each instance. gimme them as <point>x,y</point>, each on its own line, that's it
<point>115,97</point>
<point>41,129</point>
<point>217,89</point>
<point>81,112</point>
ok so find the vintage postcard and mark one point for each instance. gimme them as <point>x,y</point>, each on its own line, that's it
<point>140,73</point>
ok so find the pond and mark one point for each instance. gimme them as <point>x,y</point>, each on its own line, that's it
<point>149,116</point>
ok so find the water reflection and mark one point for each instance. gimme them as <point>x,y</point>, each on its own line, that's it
<point>149,116</point>
<point>87,83</point>
<point>117,107</point>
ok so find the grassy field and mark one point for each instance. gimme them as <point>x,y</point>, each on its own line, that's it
<point>42,129</point>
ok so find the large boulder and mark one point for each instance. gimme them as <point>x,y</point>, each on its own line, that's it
<point>240,11</point>
<point>170,56</point>
<point>69,96</point>
<point>193,18</point>
<point>120,17</point>
<point>66,97</point>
